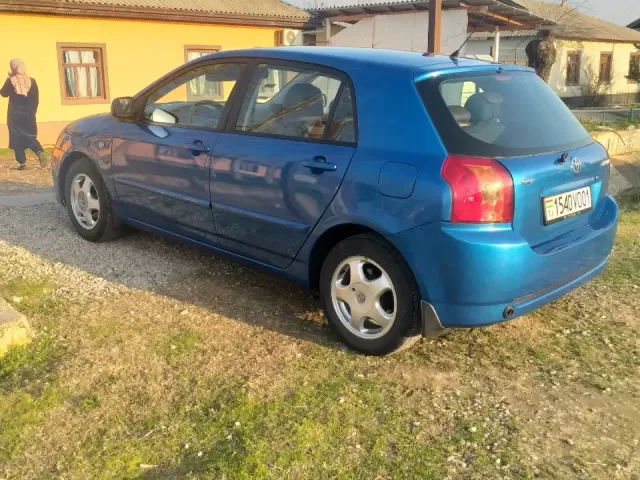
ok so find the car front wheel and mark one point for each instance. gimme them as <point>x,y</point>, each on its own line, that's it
<point>369,295</point>
<point>88,203</point>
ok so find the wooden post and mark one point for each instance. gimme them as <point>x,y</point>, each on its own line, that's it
<point>435,22</point>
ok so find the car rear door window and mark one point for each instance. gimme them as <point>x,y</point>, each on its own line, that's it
<point>288,102</point>
<point>195,99</point>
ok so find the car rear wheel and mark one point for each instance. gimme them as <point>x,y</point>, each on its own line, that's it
<point>88,203</point>
<point>369,295</point>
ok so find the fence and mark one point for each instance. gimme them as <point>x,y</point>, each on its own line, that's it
<point>608,116</point>
<point>602,101</point>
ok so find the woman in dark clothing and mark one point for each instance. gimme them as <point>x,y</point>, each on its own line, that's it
<point>21,116</point>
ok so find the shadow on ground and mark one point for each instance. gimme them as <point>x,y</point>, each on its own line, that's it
<point>187,274</point>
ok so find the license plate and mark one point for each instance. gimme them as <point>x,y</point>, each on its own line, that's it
<point>566,205</point>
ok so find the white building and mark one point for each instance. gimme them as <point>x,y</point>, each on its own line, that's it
<point>594,57</point>
<point>404,24</point>
<point>406,31</point>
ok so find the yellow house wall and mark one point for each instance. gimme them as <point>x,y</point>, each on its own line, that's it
<point>590,59</point>
<point>137,53</point>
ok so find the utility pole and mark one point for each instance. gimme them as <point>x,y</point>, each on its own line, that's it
<point>435,21</point>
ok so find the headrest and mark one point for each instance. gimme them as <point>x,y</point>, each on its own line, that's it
<point>484,106</point>
<point>493,97</point>
<point>300,93</point>
<point>460,114</point>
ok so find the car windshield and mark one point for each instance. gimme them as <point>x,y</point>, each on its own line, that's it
<point>500,114</point>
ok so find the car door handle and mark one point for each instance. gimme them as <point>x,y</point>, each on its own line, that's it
<point>320,163</point>
<point>196,147</point>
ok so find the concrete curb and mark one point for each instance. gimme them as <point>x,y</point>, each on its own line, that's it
<point>14,328</point>
<point>618,142</point>
<point>625,173</point>
<point>27,200</point>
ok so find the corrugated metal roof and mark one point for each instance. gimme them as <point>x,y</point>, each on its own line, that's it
<point>248,8</point>
<point>505,13</point>
<point>505,34</point>
<point>346,4</point>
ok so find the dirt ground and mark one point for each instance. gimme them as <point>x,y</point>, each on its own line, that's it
<point>157,361</point>
<point>33,179</point>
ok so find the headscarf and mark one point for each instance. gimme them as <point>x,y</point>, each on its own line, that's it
<point>19,78</point>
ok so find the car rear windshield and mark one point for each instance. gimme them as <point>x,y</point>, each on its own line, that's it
<point>500,114</point>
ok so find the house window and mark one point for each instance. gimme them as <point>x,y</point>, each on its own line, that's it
<point>573,68</point>
<point>83,76</point>
<point>605,68</point>
<point>201,88</point>
<point>634,68</point>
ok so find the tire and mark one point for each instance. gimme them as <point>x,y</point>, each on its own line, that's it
<point>382,269</point>
<point>104,224</point>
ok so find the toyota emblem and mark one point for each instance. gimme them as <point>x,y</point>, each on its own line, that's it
<point>576,166</point>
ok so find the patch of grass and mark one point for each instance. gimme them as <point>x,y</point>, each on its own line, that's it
<point>20,412</point>
<point>592,125</point>
<point>33,298</point>
<point>344,426</point>
<point>103,331</point>
<point>31,366</point>
<point>334,428</point>
<point>8,151</point>
<point>487,447</point>
<point>180,345</point>
<point>623,272</point>
<point>629,202</point>
<point>28,389</point>
<point>87,402</point>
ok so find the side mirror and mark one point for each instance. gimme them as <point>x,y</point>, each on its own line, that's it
<point>122,108</point>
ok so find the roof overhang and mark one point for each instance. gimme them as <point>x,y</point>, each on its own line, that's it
<point>53,7</point>
<point>484,15</point>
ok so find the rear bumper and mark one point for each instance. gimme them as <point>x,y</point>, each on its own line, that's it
<point>471,274</point>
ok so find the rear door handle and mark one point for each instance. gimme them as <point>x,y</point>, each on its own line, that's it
<point>320,163</point>
<point>198,147</point>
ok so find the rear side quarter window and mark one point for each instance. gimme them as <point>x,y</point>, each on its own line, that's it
<point>342,126</point>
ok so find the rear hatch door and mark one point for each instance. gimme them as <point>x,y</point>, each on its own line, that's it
<point>510,115</point>
<point>557,193</point>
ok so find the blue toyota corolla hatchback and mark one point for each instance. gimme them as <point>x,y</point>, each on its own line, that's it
<point>415,193</point>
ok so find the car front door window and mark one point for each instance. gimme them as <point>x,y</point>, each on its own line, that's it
<point>176,104</point>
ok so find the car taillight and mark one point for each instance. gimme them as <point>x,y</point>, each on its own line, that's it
<point>481,189</point>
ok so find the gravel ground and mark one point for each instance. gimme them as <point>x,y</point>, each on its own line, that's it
<point>40,242</point>
<point>138,261</point>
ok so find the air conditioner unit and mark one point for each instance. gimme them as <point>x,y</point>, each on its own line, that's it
<point>288,37</point>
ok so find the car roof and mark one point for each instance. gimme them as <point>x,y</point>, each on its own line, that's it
<point>349,58</point>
